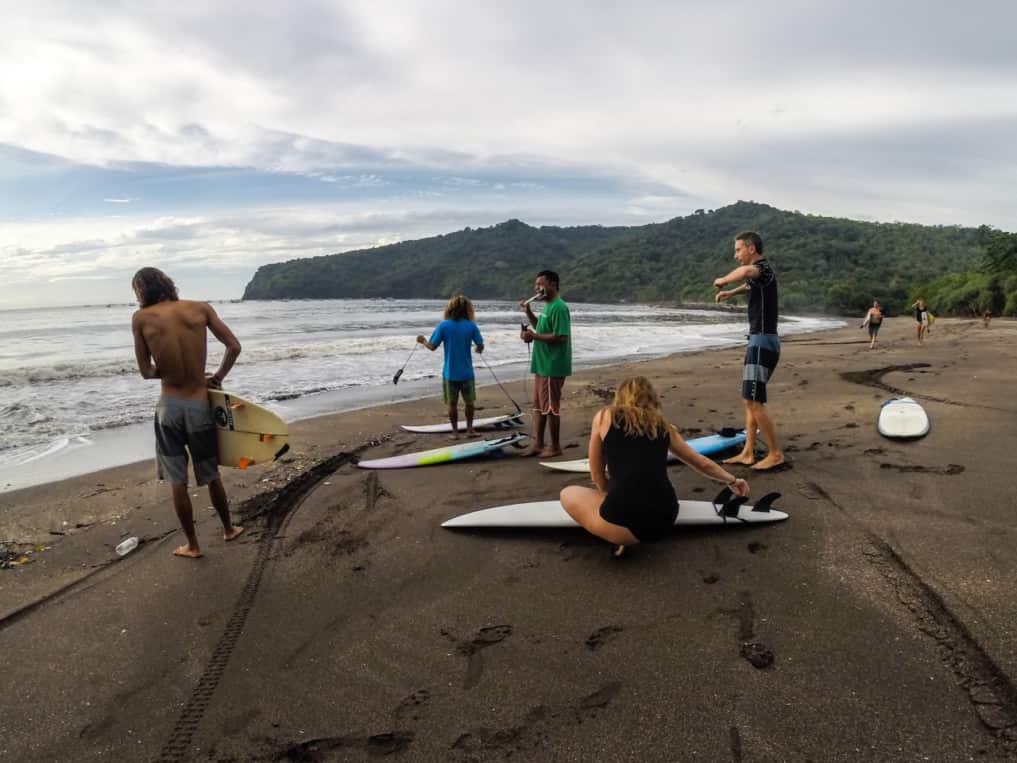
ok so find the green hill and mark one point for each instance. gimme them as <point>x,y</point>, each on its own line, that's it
<point>824,264</point>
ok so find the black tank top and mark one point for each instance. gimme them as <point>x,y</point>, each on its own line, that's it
<point>763,300</point>
<point>635,460</point>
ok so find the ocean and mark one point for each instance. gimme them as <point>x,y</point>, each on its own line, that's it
<point>71,398</point>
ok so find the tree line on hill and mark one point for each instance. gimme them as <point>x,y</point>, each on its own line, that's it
<point>824,264</point>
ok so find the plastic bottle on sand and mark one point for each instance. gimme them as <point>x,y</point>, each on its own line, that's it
<point>127,546</point>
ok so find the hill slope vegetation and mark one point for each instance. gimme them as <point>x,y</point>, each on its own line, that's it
<point>824,264</point>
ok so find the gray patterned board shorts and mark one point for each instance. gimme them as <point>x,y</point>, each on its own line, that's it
<point>761,358</point>
<point>182,427</point>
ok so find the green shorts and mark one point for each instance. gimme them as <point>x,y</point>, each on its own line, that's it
<point>451,390</point>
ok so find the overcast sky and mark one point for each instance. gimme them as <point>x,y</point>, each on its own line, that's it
<point>210,138</point>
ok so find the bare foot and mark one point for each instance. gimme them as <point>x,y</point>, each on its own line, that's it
<point>771,460</point>
<point>186,550</point>
<point>471,433</point>
<point>550,452</point>
<point>747,459</point>
<point>453,437</point>
<point>235,532</point>
<point>533,450</point>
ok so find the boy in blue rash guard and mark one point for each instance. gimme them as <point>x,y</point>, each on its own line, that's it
<point>457,332</point>
<point>763,351</point>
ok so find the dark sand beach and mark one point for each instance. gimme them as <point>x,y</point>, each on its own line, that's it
<point>347,625</point>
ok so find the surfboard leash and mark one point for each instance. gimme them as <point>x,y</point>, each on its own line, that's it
<point>520,410</point>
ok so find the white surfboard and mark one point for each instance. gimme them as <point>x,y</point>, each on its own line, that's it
<point>247,434</point>
<point>507,421</point>
<point>470,449</point>
<point>707,446</point>
<point>902,418</point>
<point>551,514</point>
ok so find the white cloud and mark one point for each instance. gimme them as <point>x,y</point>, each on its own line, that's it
<point>857,109</point>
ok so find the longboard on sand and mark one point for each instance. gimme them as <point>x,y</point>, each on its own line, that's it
<point>725,510</point>
<point>506,421</point>
<point>247,434</point>
<point>471,449</point>
<point>707,446</point>
<point>902,418</point>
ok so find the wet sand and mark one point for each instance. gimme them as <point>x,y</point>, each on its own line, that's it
<point>875,624</point>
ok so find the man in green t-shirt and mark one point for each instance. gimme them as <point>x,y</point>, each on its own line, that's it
<point>551,362</point>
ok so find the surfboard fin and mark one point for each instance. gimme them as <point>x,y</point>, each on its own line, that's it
<point>766,502</point>
<point>726,504</point>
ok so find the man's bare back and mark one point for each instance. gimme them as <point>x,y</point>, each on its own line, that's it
<point>170,343</point>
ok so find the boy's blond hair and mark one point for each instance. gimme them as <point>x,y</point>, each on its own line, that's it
<point>459,308</point>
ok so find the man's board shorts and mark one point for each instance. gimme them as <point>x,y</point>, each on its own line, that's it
<point>185,427</point>
<point>761,358</point>
<point>873,328</point>
<point>547,394</point>
<point>451,390</point>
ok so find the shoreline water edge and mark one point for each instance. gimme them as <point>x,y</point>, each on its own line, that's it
<point>79,405</point>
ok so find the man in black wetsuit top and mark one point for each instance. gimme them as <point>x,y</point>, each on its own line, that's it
<point>763,352</point>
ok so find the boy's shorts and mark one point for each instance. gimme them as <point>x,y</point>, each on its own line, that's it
<point>451,390</point>
<point>182,427</point>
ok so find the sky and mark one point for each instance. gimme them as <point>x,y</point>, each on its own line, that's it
<point>210,138</point>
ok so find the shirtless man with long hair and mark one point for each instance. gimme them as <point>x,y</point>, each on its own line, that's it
<point>170,344</point>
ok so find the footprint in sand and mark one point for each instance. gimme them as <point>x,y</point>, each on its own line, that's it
<point>812,491</point>
<point>601,636</point>
<point>471,650</point>
<point>410,706</point>
<point>949,470</point>
<point>389,743</point>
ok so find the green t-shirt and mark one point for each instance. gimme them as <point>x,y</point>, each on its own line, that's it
<point>553,360</point>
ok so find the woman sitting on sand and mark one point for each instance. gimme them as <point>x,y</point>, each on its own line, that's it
<point>631,438</point>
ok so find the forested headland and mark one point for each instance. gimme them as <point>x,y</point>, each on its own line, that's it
<point>825,264</point>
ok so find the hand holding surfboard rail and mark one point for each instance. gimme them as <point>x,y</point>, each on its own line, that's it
<point>247,434</point>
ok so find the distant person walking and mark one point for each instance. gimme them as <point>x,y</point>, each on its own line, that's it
<point>873,319</point>
<point>634,501</point>
<point>986,317</point>
<point>551,362</point>
<point>758,279</point>
<point>921,320</point>
<point>170,344</point>
<point>457,333</point>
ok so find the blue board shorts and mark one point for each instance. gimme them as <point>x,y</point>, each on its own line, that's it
<point>761,358</point>
<point>185,429</point>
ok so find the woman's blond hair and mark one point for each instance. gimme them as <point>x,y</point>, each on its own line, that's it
<point>459,308</point>
<point>636,409</point>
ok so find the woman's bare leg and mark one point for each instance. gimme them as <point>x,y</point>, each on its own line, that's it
<point>583,505</point>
